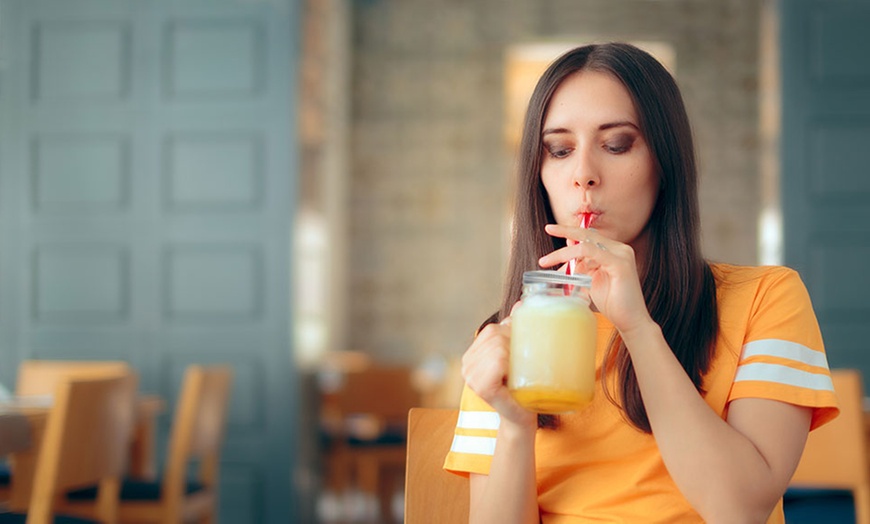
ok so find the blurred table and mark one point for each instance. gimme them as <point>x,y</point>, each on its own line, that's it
<point>23,458</point>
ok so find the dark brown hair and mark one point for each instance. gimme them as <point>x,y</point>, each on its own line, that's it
<point>677,282</point>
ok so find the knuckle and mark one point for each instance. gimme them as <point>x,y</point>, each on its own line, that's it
<point>487,330</point>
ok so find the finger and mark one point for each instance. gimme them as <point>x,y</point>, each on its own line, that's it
<point>484,371</point>
<point>569,233</point>
<point>575,235</point>
<point>555,230</point>
<point>561,269</point>
<point>553,259</point>
<point>497,334</point>
<point>484,360</point>
<point>490,330</point>
<point>563,255</point>
<point>485,338</point>
<point>590,254</point>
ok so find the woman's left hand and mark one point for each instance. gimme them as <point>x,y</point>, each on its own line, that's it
<point>616,290</point>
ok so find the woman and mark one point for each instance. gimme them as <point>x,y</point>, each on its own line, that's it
<point>709,376</point>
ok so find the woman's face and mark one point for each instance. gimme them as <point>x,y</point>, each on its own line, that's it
<point>596,162</point>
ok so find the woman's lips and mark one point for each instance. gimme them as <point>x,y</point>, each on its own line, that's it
<point>587,218</point>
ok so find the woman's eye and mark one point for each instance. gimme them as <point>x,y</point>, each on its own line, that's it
<point>619,145</point>
<point>559,152</point>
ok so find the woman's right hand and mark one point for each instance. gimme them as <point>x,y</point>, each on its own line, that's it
<point>485,367</point>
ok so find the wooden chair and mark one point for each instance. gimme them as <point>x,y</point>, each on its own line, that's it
<point>85,443</point>
<point>377,397</point>
<point>41,378</point>
<point>197,434</point>
<point>834,462</point>
<point>432,495</point>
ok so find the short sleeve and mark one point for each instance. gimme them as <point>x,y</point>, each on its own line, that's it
<point>783,356</point>
<point>474,437</point>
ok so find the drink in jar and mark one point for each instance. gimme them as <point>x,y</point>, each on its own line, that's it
<point>553,338</point>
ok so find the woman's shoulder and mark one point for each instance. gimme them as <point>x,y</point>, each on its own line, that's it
<point>736,276</point>
<point>739,286</point>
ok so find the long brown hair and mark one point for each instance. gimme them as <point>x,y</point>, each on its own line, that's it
<point>677,282</point>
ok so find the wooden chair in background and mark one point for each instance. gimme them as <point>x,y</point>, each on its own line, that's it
<point>85,443</point>
<point>834,464</point>
<point>432,495</point>
<point>40,378</point>
<point>197,435</point>
<point>366,422</point>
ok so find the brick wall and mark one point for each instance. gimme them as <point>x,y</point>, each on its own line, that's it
<point>429,179</point>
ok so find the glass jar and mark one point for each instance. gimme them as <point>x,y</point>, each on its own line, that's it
<point>553,338</point>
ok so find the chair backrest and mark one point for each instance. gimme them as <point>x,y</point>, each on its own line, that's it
<point>835,455</point>
<point>198,427</point>
<point>386,392</point>
<point>85,443</point>
<point>433,495</point>
<point>41,377</point>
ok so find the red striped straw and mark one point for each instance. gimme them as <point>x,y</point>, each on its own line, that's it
<point>584,223</point>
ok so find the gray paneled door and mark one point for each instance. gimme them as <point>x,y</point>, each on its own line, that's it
<point>147,159</point>
<point>826,168</point>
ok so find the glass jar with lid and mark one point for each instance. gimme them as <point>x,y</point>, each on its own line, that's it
<point>553,338</point>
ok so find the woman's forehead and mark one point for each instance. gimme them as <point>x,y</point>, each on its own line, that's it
<point>590,98</point>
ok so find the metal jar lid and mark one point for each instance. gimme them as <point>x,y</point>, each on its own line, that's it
<point>547,276</point>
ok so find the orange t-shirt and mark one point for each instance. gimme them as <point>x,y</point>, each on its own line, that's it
<point>596,467</point>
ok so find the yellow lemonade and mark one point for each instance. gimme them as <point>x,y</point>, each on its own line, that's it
<point>552,360</point>
<point>550,400</point>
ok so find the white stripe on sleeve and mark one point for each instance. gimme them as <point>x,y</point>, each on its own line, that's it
<point>473,445</point>
<point>784,375</point>
<point>772,347</point>
<point>478,420</point>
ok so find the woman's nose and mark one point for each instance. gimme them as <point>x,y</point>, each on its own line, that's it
<point>585,172</point>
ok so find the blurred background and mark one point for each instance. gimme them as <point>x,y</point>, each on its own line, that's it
<point>301,188</point>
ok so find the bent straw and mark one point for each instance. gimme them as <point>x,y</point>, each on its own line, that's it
<point>584,223</point>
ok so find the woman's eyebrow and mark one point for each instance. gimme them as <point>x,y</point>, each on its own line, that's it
<point>621,123</point>
<point>602,127</point>
<point>555,131</point>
